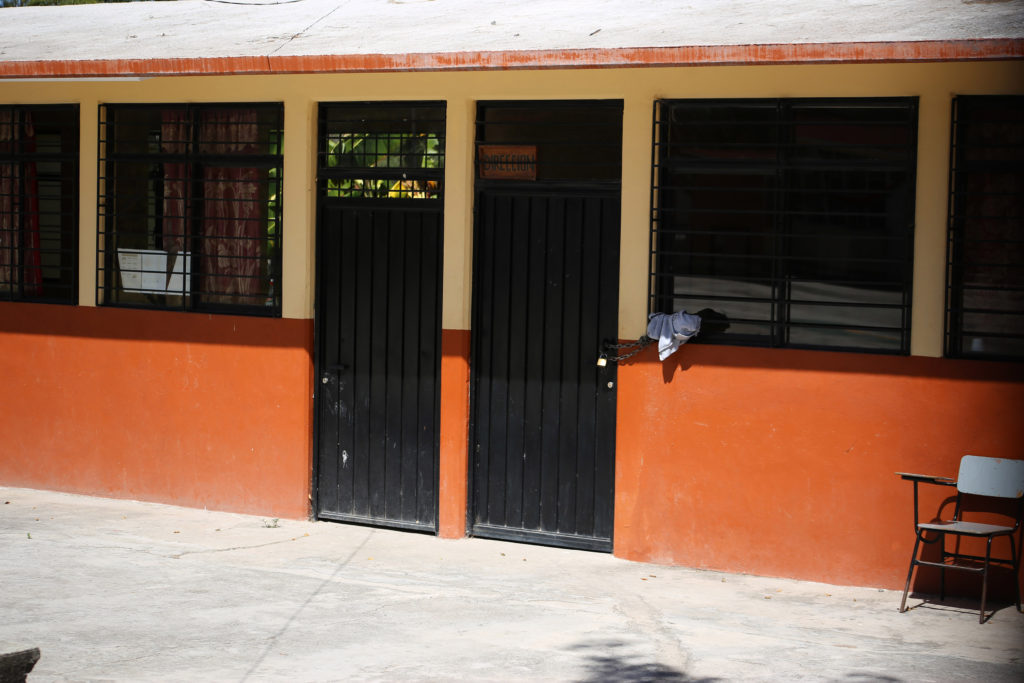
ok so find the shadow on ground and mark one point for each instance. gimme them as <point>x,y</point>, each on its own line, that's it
<point>618,661</point>
<point>614,661</point>
<point>955,605</point>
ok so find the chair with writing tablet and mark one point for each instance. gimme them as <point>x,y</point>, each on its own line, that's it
<point>979,477</point>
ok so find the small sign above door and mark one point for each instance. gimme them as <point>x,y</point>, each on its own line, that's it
<point>507,162</point>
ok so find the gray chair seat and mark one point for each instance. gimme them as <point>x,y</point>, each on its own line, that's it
<point>968,528</point>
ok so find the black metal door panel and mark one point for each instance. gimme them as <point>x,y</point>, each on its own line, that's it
<point>379,352</point>
<point>546,296</point>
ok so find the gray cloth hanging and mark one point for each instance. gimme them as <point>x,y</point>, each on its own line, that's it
<point>672,330</point>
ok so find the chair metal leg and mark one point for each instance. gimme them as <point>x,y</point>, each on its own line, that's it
<point>942,571</point>
<point>984,580</point>
<point>1016,569</point>
<point>910,573</point>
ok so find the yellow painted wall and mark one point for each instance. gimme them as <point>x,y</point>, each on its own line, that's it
<point>934,83</point>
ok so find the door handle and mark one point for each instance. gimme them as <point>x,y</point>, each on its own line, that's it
<point>329,369</point>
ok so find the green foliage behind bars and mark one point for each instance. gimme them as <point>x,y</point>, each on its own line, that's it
<point>379,151</point>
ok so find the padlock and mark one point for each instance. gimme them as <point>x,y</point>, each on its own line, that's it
<point>602,360</point>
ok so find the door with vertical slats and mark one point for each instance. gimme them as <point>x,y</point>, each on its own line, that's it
<point>546,292</point>
<point>379,356</point>
<point>378,317</point>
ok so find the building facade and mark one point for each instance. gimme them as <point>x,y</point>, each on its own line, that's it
<point>380,295</point>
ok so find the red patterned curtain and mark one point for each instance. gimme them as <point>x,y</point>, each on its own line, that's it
<point>233,213</point>
<point>19,209</point>
<point>174,139</point>
<point>233,210</point>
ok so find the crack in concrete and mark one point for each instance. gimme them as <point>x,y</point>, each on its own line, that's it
<point>285,43</point>
<point>178,556</point>
<point>319,589</point>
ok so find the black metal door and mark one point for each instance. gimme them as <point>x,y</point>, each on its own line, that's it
<point>546,289</point>
<point>379,356</point>
<point>545,298</point>
<point>378,314</point>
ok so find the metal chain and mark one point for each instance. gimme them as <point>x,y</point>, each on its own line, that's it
<point>637,347</point>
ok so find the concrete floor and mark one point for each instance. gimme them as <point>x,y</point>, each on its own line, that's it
<point>128,591</point>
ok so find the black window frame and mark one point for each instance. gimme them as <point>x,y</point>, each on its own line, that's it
<point>381,152</point>
<point>192,158</point>
<point>765,142</point>
<point>55,162</point>
<point>576,143</point>
<point>985,232</point>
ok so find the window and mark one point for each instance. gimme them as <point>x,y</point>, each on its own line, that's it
<point>382,150</point>
<point>39,203</point>
<point>566,143</point>
<point>786,223</point>
<point>985,270</point>
<point>190,207</point>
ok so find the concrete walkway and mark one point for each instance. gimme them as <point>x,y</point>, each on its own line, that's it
<point>127,591</point>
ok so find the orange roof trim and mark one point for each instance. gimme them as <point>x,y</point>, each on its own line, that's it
<point>703,55</point>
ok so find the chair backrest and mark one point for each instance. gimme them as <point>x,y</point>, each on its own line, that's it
<point>991,477</point>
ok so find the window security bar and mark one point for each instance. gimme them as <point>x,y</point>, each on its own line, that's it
<point>190,207</point>
<point>39,203</point>
<point>792,219</point>
<point>382,150</point>
<point>985,247</point>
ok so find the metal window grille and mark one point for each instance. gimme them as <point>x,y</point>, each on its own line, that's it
<point>190,207</point>
<point>571,142</point>
<point>39,203</point>
<point>382,150</point>
<point>786,222</point>
<point>985,255</point>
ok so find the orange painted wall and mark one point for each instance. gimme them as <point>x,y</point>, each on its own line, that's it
<point>189,409</point>
<point>769,462</point>
<point>781,462</point>
<point>454,468</point>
